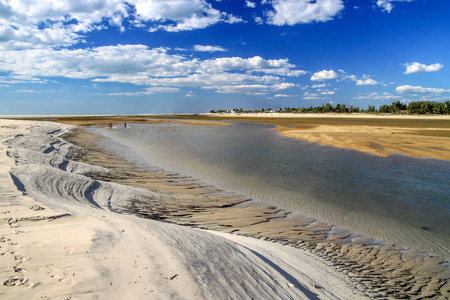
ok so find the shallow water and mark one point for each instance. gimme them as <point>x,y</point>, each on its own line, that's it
<point>397,199</point>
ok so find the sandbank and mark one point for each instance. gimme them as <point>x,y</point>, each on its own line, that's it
<point>384,269</point>
<point>379,134</point>
<point>383,135</point>
<point>64,236</point>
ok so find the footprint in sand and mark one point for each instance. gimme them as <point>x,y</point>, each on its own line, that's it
<point>4,239</point>
<point>16,281</point>
<point>23,259</point>
<point>18,269</point>
<point>37,207</point>
<point>12,222</point>
<point>68,250</point>
<point>61,277</point>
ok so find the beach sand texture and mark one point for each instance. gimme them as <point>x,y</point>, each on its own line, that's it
<point>61,238</point>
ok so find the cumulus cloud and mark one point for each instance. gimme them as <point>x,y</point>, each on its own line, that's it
<point>291,12</point>
<point>340,75</point>
<point>408,89</point>
<point>324,75</point>
<point>367,81</point>
<point>387,6</point>
<point>202,48</point>
<point>52,23</point>
<point>250,4</point>
<point>416,67</point>
<point>140,65</point>
<point>280,67</point>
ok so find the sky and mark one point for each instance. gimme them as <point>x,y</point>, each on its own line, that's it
<point>193,56</point>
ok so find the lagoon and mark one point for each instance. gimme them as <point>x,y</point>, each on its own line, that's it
<point>395,199</point>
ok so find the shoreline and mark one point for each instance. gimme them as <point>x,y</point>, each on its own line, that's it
<point>380,271</point>
<point>420,136</point>
<point>61,238</point>
<point>267,222</point>
<point>382,135</point>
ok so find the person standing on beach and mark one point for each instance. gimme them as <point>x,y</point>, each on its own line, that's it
<point>124,124</point>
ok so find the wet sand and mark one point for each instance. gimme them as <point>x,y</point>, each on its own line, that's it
<point>381,270</point>
<point>416,136</point>
<point>62,238</point>
<point>383,135</point>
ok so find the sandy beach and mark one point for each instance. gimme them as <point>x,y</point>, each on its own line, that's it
<point>81,223</point>
<point>62,239</point>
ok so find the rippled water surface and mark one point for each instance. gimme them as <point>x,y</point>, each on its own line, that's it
<point>395,199</point>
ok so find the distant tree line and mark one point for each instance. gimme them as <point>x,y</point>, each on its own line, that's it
<point>415,107</point>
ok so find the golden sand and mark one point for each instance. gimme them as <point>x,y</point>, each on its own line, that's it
<point>416,136</point>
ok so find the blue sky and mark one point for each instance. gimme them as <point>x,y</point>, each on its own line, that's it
<point>177,56</point>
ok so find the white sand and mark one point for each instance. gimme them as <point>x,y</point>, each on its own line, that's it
<point>59,239</point>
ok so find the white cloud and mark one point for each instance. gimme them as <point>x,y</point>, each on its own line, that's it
<point>312,98</point>
<point>280,67</point>
<point>259,20</point>
<point>367,81</point>
<point>340,75</point>
<point>387,6</point>
<point>28,91</point>
<point>148,91</point>
<point>408,89</point>
<point>250,4</point>
<point>416,67</point>
<point>139,65</point>
<point>283,96</point>
<point>202,48</point>
<point>291,12</point>
<point>328,92</point>
<point>318,86</point>
<point>53,23</point>
<point>378,96</point>
<point>250,89</point>
<point>324,75</point>
<point>284,85</point>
